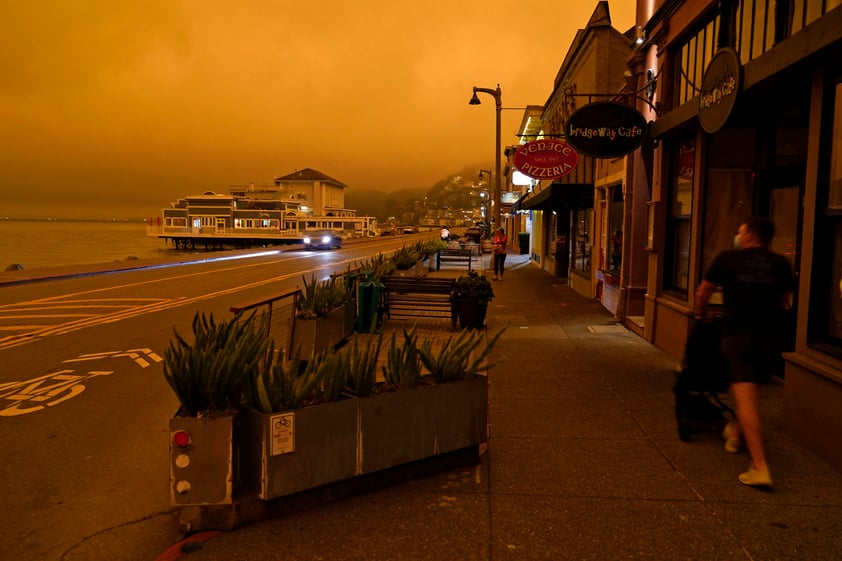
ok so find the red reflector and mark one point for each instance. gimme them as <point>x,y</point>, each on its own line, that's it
<point>181,438</point>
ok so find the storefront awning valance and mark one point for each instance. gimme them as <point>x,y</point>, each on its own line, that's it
<point>518,204</point>
<point>560,196</point>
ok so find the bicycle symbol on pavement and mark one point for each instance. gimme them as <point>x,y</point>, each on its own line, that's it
<point>57,387</point>
<point>44,391</point>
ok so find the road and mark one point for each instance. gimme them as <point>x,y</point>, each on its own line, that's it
<point>84,405</point>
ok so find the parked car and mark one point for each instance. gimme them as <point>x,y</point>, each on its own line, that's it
<point>323,239</point>
<point>474,233</point>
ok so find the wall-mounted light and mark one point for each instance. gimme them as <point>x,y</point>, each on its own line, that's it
<point>640,37</point>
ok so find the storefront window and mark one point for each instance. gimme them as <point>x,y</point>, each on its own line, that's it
<point>615,230</point>
<point>825,326</point>
<point>677,256</point>
<point>582,250</point>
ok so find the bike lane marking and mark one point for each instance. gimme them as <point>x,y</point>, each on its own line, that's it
<point>49,390</point>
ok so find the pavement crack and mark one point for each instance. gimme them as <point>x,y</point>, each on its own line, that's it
<point>104,531</point>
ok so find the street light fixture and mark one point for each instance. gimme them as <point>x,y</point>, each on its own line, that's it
<point>484,195</point>
<point>497,94</point>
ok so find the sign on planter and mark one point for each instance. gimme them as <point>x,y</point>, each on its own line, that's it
<point>283,433</point>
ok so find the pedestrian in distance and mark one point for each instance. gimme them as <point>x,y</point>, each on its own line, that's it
<point>499,242</point>
<point>756,284</point>
<point>445,234</point>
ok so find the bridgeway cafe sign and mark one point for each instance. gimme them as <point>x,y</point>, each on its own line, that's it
<point>605,129</point>
<point>720,86</point>
<point>545,159</point>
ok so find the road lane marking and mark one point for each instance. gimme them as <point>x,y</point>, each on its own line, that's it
<point>11,341</point>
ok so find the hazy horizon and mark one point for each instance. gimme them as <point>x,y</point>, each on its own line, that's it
<point>113,108</point>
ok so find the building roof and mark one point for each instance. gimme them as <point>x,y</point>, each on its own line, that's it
<point>309,174</point>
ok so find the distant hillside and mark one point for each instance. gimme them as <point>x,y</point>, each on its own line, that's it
<point>371,202</point>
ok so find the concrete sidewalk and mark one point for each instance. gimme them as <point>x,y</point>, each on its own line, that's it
<point>583,462</point>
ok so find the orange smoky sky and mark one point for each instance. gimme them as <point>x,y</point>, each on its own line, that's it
<point>123,107</point>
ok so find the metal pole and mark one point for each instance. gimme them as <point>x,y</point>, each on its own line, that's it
<point>497,190</point>
<point>498,101</point>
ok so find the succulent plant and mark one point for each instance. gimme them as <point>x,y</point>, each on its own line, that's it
<point>209,373</point>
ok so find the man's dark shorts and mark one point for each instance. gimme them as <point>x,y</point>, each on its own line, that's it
<point>751,357</point>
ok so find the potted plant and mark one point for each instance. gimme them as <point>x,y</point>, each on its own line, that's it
<point>375,268</point>
<point>330,420</point>
<point>439,403</point>
<point>299,426</point>
<point>320,314</point>
<point>471,295</point>
<point>406,258</point>
<point>430,248</point>
<point>208,375</point>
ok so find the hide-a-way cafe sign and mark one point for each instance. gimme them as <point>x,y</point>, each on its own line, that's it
<point>545,159</point>
<point>605,129</point>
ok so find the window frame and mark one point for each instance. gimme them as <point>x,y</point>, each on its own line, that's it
<point>679,224</point>
<point>826,266</point>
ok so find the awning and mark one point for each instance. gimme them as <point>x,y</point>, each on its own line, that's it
<point>560,196</point>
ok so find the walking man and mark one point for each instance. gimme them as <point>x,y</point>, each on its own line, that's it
<point>756,285</point>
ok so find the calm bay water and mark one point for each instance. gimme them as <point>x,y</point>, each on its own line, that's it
<point>51,243</point>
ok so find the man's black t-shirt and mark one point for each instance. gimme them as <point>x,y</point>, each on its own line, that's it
<point>754,281</point>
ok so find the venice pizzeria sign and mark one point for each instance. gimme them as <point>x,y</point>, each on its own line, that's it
<point>545,159</point>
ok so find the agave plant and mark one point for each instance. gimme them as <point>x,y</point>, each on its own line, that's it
<point>377,267</point>
<point>455,359</point>
<point>362,364</point>
<point>208,374</point>
<point>320,297</point>
<point>284,386</point>
<point>431,247</point>
<point>403,364</point>
<point>406,257</point>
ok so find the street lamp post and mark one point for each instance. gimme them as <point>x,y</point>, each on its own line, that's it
<point>484,195</point>
<point>498,94</point>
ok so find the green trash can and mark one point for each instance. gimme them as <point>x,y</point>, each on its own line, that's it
<point>368,302</point>
<point>523,242</point>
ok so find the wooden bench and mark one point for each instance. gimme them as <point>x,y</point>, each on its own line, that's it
<point>454,255</point>
<point>417,297</point>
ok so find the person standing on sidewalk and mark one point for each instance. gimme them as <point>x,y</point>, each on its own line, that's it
<point>499,242</point>
<point>756,285</point>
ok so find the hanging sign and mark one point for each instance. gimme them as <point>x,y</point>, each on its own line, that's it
<point>545,159</point>
<point>720,86</point>
<point>606,129</point>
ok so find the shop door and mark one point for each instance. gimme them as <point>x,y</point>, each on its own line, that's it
<point>561,227</point>
<point>780,192</point>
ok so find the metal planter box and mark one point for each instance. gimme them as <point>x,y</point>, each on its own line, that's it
<point>410,425</point>
<point>397,428</point>
<point>283,453</point>
<point>461,414</point>
<point>319,334</point>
